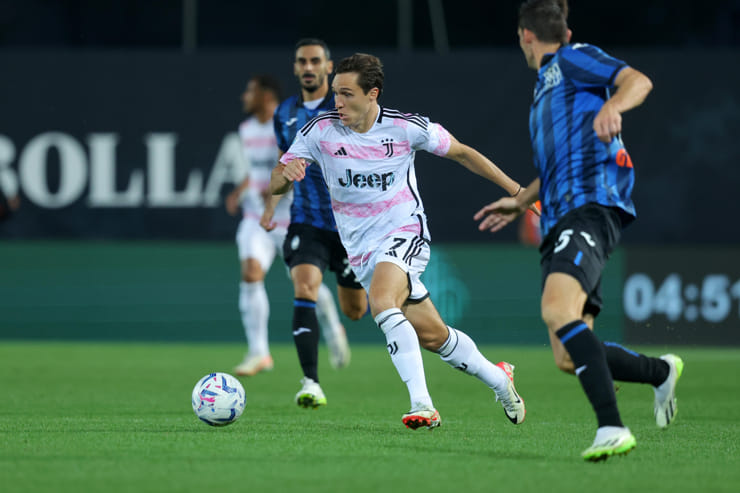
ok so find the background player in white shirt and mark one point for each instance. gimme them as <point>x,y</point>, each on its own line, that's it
<point>366,154</point>
<point>257,247</point>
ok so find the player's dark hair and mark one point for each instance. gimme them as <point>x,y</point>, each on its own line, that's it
<point>547,19</point>
<point>314,42</point>
<point>270,84</point>
<point>368,68</point>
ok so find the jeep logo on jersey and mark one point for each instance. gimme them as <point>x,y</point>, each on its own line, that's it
<point>372,180</point>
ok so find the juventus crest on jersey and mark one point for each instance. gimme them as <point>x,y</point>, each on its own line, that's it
<point>370,176</point>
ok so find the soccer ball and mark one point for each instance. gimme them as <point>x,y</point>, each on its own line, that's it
<point>218,399</point>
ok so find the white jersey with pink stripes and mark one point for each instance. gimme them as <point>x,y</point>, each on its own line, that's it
<point>371,176</point>
<point>261,152</point>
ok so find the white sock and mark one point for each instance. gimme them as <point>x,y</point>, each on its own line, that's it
<point>326,312</point>
<point>403,346</point>
<point>255,310</point>
<point>459,351</point>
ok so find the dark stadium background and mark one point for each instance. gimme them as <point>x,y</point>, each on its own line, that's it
<point>232,24</point>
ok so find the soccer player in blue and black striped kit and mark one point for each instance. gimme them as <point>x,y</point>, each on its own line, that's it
<point>585,182</point>
<point>312,244</point>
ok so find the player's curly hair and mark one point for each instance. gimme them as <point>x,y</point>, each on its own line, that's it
<point>368,68</point>
<point>547,19</point>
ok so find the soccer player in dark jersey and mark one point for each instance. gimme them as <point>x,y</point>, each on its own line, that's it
<point>584,184</point>
<point>312,244</point>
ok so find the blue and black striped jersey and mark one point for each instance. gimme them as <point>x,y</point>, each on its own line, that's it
<point>575,167</point>
<point>311,203</point>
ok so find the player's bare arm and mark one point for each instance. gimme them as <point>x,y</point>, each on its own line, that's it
<point>271,203</point>
<point>480,165</point>
<point>279,185</point>
<point>632,88</point>
<point>498,214</point>
<point>272,198</point>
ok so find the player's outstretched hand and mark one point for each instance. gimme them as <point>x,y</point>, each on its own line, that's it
<point>295,170</point>
<point>498,214</point>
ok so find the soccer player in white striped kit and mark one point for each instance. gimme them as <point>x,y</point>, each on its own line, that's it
<point>257,247</point>
<point>366,153</point>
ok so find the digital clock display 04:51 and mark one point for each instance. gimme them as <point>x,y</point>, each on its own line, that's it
<point>682,295</point>
<point>714,299</point>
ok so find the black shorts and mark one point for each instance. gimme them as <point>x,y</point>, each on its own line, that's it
<point>306,244</point>
<point>579,245</point>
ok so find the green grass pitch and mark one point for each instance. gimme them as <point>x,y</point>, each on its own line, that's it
<point>117,418</point>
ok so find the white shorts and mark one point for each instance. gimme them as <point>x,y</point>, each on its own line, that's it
<point>254,242</point>
<point>406,250</point>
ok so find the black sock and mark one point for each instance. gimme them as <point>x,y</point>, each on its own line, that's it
<point>306,336</point>
<point>629,366</point>
<point>589,359</point>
